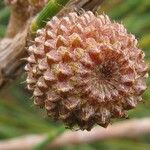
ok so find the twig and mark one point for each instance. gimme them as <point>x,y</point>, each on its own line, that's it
<point>10,65</point>
<point>50,10</point>
<point>11,50</point>
<point>126,129</point>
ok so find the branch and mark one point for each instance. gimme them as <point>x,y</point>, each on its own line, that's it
<point>126,129</point>
<point>50,10</point>
<point>13,49</point>
<point>86,4</point>
<point>18,18</point>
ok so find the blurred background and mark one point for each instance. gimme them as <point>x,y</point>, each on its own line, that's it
<point>19,117</point>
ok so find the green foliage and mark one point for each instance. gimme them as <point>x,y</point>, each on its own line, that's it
<point>18,116</point>
<point>4,16</point>
<point>52,135</point>
<point>50,10</point>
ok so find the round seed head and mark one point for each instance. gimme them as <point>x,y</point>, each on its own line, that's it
<point>85,70</point>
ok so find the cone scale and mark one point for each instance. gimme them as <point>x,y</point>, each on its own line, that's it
<point>85,70</point>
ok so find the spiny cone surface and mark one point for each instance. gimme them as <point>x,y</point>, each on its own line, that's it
<point>85,70</point>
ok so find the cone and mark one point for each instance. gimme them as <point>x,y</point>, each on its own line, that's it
<point>85,70</point>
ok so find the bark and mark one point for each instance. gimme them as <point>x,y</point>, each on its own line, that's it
<point>18,18</point>
<point>12,47</point>
<point>11,52</point>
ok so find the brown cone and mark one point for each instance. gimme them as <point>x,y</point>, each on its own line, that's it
<point>85,70</point>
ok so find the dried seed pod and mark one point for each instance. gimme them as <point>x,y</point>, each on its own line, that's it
<point>88,70</point>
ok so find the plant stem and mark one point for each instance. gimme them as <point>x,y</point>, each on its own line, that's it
<point>51,136</point>
<point>50,10</point>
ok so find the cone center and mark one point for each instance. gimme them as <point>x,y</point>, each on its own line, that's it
<point>108,69</point>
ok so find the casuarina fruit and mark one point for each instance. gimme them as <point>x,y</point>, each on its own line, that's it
<point>85,70</point>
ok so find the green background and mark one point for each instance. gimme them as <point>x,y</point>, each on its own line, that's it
<point>18,116</point>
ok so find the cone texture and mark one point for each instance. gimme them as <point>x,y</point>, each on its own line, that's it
<point>85,70</point>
